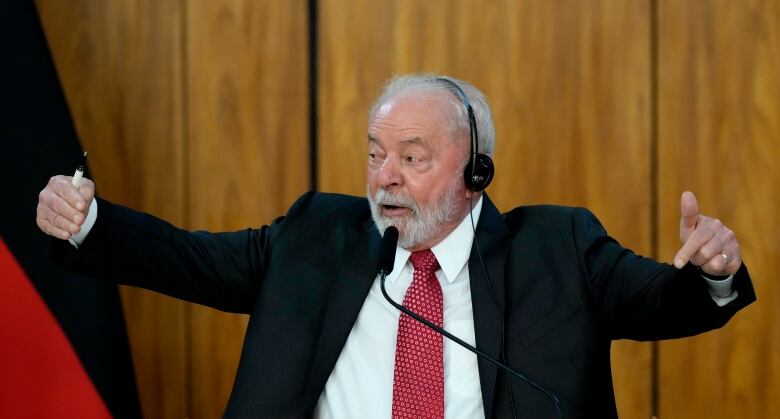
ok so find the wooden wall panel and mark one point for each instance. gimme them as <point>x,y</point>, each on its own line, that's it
<point>569,83</point>
<point>248,149</point>
<point>197,112</point>
<point>719,136</point>
<point>119,63</point>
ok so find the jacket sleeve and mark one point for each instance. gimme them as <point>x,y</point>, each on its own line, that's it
<point>220,270</point>
<point>642,299</point>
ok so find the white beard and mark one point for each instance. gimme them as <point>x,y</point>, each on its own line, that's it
<point>419,226</point>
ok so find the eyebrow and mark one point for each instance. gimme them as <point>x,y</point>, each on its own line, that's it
<point>412,140</point>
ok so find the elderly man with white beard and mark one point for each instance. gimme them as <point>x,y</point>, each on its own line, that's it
<point>542,289</point>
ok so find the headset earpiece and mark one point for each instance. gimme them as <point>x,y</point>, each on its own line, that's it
<point>479,172</point>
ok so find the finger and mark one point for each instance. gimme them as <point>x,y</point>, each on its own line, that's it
<point>689,210</point>
<point>702,234</point>
<point>63,187</point>
<point>734,264</point>
<point>714,246</point>
<point>51,230</point>
<point>732,251</point>
<point>62,208</point>
<point>87,190</point>
<point>725,262</point>
<point>57,220</point>
<point>717,265</point>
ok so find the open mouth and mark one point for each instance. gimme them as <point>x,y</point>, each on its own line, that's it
<point>394,210</point>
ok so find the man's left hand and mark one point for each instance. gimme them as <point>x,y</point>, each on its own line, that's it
<point>707,243</point>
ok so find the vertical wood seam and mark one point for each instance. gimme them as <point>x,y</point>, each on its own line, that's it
<point>654,189</point>
<point>187,199</point>
<point>313,86</point>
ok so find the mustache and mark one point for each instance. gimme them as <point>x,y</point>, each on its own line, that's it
<point>397,200</point>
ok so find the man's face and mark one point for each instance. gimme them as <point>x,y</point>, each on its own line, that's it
<point>415,171</point>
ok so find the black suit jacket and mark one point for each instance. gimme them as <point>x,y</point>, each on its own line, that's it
<point>567,290</point>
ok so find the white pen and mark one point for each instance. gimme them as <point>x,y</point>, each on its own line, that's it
<point>79,172</point>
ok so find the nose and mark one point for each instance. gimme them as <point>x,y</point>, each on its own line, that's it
<point>389,176</point>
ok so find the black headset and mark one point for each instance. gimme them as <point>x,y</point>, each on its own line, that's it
<point>480,170</point>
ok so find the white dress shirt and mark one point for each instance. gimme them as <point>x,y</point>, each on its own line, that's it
<point>361,383</point>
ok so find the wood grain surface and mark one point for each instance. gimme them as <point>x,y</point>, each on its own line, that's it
<point>198,112</point>
<point>248,158</point>
<point>569,83</point>
<point>719,136</point>
<point>120,66</point>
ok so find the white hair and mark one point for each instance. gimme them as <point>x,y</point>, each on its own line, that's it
<point>456,116</point>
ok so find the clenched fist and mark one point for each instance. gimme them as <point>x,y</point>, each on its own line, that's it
<point>707,243</point>
<point>62,207</point>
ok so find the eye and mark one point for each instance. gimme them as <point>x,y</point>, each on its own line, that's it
<point>411,159</point>
<point>375,156</point>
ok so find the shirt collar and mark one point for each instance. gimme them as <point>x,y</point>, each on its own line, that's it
<point>452,252</point>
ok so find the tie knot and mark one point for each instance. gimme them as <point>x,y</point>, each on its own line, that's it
<point>424,261</point>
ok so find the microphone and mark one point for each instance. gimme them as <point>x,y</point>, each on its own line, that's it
<point>387,251</point>
<point>386,261</point>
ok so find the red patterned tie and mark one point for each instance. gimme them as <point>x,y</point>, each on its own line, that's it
<point>418,381</point>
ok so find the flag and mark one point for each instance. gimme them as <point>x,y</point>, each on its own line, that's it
<point>64,350</point>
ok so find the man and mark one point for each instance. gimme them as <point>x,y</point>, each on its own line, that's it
<point>542,288</point>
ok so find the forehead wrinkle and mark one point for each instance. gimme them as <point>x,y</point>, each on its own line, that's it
<point>412,140</point>
<point>407,135</point>
<point>416,140</point>
<point>390,124</point>
<point>403,122</point>
<point>389,113</point>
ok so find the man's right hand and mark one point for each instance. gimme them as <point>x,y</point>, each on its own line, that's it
<point>62,208</point>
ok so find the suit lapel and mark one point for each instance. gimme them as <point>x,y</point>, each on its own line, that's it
<point>492,237</point>
<point>348,293</point>
<point>358,270</point>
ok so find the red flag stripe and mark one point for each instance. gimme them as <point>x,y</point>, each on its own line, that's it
<point>40,374</point>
